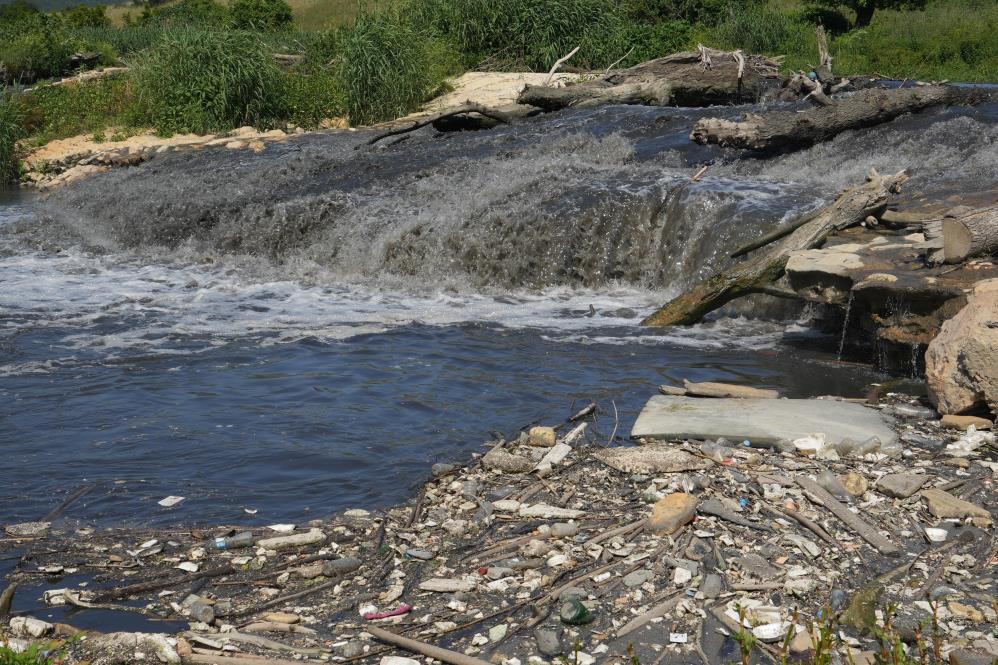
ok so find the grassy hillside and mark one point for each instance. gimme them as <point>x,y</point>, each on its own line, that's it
<point>200,65</point>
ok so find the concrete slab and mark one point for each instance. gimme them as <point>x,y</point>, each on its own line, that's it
<point>760,420</point>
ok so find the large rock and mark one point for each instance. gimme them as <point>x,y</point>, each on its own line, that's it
<point>961,363</point>
<point>653,458</point>
<point>672,512</point>
<point>760,420</point>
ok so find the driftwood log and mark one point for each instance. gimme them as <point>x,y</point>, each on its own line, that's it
<point>955,239</point>
<point>782,130</point>
<point>757,274</point>
<point>695,78</point>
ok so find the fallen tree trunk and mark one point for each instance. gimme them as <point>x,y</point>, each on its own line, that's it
<point>695,78</point>
<point>959,238</point>
<point>789,129</point>
<point>757,274</point>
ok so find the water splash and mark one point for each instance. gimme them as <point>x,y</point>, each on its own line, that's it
<point>845,326</point>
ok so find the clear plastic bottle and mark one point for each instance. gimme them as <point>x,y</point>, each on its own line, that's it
<point>718,453</point>
<point>830,482</point>
<point>241,539</point>
<point>871,445</point>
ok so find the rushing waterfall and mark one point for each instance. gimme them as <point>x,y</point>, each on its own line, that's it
<point>305,329</point>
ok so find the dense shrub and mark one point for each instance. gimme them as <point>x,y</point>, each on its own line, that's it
<point>186,13</point>
<point>704,12</point>
<point>526,33</point>
<point>38,50</point>
<point>261,14</point>
<point>204,81</point>
<point>388,67</point>
<point>83,16</point>
<point>11,130</point>
<point>17,12</point>
<point>761,29</point>
<point>66,110</point>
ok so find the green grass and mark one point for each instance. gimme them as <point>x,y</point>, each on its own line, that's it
<point>33,655</point>
<point>54,112</point>
<point>11,131</point>
<point>207,81</point>
<point>389,67</point>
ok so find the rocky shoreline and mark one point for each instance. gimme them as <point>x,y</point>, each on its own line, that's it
<point>553,545</point>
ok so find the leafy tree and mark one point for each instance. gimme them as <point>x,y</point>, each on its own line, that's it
<point>261,14</point>
<point>82,16</point>
<point>17,12</point>
<point>199,13</point>
<point>865,8</point>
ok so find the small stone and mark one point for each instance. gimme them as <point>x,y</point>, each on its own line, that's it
<point>681,576</point>
<point>548,642</point>
<point>944,505</point>
<point>28,529</point>
<point>422,555</point>
<point>900,485</point>
<point>202,613</point>
<point>342,566</point>
<point>711,586</point>
<point>967,612</point>
<point>535,548</point>
<point>638,577</point>
<point>936,535</point>
<point>854,483</point>
<point>357,514</point>
<point>573,593</point>
<point>542,436</point>
<point>506,505</point>
<point>441,468</point>
<point>672,512</point>
<point>958,462</point>
<point>498,632</point>
<point>770,632</point>
<point>802,642</point>
<point>964,422</point>
<point>398,660</point>
<point>758,567</point>
<point>30,627</point>
<point>970,657</point>
<point>498,459</point>
<point>545,511</point>
<point>445,585</point>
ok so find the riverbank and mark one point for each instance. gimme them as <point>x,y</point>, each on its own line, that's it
<point>553,545</point>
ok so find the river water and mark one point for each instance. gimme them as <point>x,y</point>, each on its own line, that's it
<point>275,337</point>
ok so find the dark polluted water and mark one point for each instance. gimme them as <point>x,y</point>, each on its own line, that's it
<point>282,336</point>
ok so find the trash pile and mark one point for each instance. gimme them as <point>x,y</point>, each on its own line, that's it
<point>695,549</point>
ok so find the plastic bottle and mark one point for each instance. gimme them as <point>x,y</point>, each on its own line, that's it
<point>718,453</point>
<point>241,539</point>
<point>893,450</point>
<point>871,445</point>
<point>830,482</point>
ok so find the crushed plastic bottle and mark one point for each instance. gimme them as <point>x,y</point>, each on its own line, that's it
<point>892,449</point>
<point>241,539</point>
<point>830,482</point>
<point>718,453</point>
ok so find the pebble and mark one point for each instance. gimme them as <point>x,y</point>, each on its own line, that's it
<point>548,641</point>
<point>535,548</point>
<point>900,485</point>
<point>28,529</point>
<point>854,483</point>
<point>542,436</point>
<point>943,505</point>
<point>445,585</point>
<point>711,586</point>
<point>638,577</point>
<point>423,555</point>
<point>398,660</point>
<point>498,632</point>
<point>681,576</point>
<point>342,566</point>
<point>282,617</point>
<point>442,468</point>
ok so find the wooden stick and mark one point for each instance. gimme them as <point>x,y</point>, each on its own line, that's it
<point>659,610</point>
<point>607,535</point>
<point>133,589</point>
<point>773,236</point>
<point>443,655</point>
<point>814,527</point>
<point>243,659</point>
<point>256,640</point>
<point>853,521</point>
<point>558,63</point>
<point>498,116</point>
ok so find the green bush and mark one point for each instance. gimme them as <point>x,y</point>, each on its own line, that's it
<point>388,67</point>
<point>186,13</point>
<point>206,81</point>
<point>124,41</point>
<point>764,30</point>
<point>657,40</point>
<point>52,112</point>
<point>17,12</point>
<point>264,15</point>
<point>11,131</point>
<point>526,33</point>
<point>311,97</point>
<point>941,42</point>
<point>83,16</point>
<point>42,51</point>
